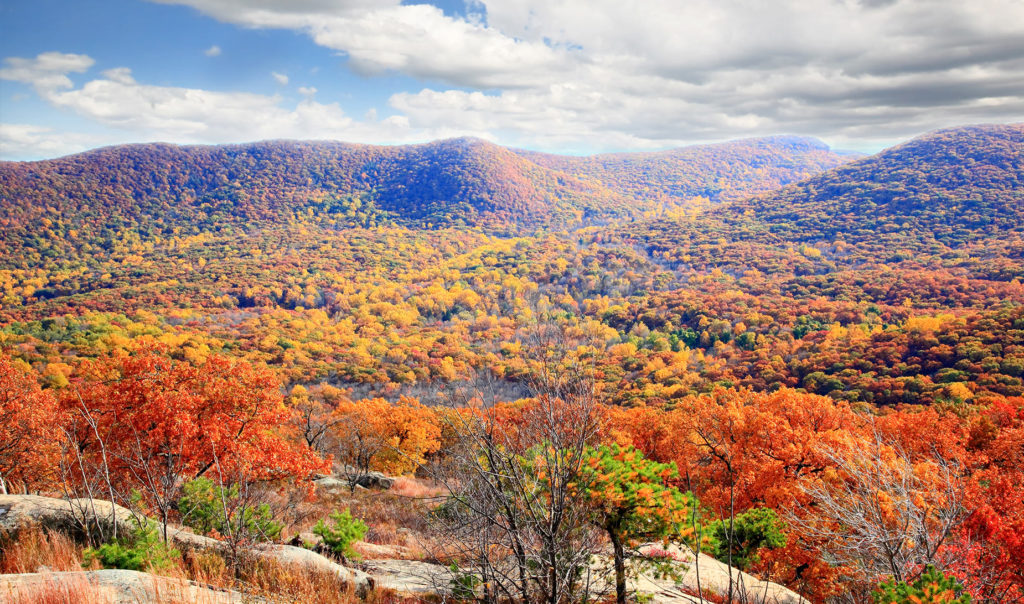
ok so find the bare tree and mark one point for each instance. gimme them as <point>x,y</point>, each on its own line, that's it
<point>314,419</point>
<point>514,512</point>
<point>355,442</point>
<point>886,515</point>
<point>716,441</point>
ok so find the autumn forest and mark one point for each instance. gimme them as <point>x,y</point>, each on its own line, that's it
<point>545,377</point>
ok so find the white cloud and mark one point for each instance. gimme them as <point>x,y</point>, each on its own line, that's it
<point>48,71</point>
<point>419,39</point>
<point>213,51</point>
<point>26,141</point>
<point>584,75</point>
<point>280,78</point>
<point>131,111</point>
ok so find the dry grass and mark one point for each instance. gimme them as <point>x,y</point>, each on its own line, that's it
<point>36,547</point>
<point>415,488</point>
<point>66,590</point>
<point>272,581</point>
<point>294,583</point>
<point>395,517</point>
<point>267,580</point>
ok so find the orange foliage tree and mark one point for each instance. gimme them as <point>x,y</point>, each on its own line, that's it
<point>377,435</point>
<point>738,450</point>
<point>29,426</point>
<point>153,423</point>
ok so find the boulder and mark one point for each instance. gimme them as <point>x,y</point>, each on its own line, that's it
<point>64,515</point>
<point>332,485</point>
<point>714,578</point>
<point>376,480</point>
<point>366,480</point>
<point>410,577</point>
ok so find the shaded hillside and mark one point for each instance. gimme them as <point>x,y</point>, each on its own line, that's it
<point>954,187</point>
<point>952,198</point>
<point>720,172</point>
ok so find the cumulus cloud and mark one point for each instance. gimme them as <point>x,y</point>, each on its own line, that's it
<point>47,72</point>
<point>579,73</point>
<point>27,141</point>
<point>280,78</point>
<point>417,39</point>
<point>591,75</point>
<point>132,111</point>
<point>213,51</point>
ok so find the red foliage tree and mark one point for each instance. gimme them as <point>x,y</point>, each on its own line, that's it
<point>29,420</point>
<point>158,422</point>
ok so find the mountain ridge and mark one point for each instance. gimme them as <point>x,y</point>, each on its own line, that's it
<point>948,184</point>
<point>952,198</point>
<point>462,180</point>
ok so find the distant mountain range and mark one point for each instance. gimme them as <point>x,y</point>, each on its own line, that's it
<point>720,172</point>
<point>458,181</point>
<point>945,190</point>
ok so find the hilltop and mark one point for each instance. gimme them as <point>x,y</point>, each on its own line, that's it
<point>952,187</point>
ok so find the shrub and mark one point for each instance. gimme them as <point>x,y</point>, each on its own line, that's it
<point>143,550</point>
<point>463,584</point>
<point>209,508</point>
<point>932,587</point>
<point>343,531</point>
<point>752,530</point>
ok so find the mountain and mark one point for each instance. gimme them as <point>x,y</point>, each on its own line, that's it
<point>451,181</point>
<point>459,181</point>
<point>954,187</point>
<point>720,172</point>
<point>952,198</point>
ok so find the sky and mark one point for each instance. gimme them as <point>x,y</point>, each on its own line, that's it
<point>564,76</point>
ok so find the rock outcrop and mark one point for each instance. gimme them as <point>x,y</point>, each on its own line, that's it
<point>425,579</point>
<point>67,516</point>
<point>714,578</point>
<point>409,577</point>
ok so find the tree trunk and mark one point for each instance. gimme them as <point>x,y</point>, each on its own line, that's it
<point>620,565</point>
<point>163,520</point>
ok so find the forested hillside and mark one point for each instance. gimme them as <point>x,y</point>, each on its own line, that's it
<point>156,190</point>
<point>758,333</point>
<point>711,173</point>
<point>952,188</point>
<point>952,199</point>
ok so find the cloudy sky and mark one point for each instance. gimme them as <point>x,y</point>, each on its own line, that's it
<point>576,76</point>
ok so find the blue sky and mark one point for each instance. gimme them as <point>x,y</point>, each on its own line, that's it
<point>573,76</point>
